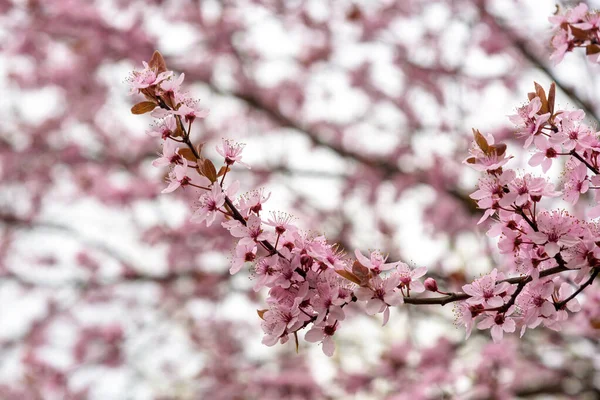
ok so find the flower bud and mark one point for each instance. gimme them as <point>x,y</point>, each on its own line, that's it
<point>431,285</point>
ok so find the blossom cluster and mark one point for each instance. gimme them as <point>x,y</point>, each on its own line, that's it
<point>310,281</point>
<point>541,242</point>
<point>576,27</point>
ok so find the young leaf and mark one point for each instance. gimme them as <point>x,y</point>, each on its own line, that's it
<point>539,90</point>
<point>209,170</point>
<point>361,272</point>
<point>348,275</point>
<point>551,98</point>
<point>157,62</point>
<point>481,141</point>
<point>261,313</point>
<point>143,107</point>
<point>187,154</point>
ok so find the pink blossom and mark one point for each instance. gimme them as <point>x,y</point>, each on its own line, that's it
<point>375,263</point>
<point>529,188</point>
<point>243,253</point>
<point>489,160</point>
<point>547,152</point>
<point>491,194</point>
<point>499,323</point>
<point>253,201</point>
<point>576,181</point>
<point>278,321</point>
<point>467,313</point>
<point>555,230</point>
<point>166,128</point>
<point>178,177</point>
<point>570,130</point>
<point>146,78</point>
<point>564,292</point>
<point>380,294</point>
<point>324,302</point>
<point>323,332</point>
<point>486,291</point>
<point>535,303</point>
<point>282,223</point>
<point>190,113</point>
<point>408,278</point>
<point>249,233</point>
<point>170,154</point>
<point>232,151</point>
<point>171,87</point>
<point>266,272</point>
<point>561,42</point>
<point>528,121</point>
<point>210,204</point>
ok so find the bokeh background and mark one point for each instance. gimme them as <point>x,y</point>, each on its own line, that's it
<point>356,115</point>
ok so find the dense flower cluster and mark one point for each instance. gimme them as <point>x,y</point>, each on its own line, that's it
<point>576,27</point>
<point>541,242</point>
<point>310,281</point>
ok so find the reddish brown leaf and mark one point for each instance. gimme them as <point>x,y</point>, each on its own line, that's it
<point>223,170</point>
<point>348,275</point>
<point>539,90</point>
<point>551,98</point>
<point>261,313</point>
<point>187,154</point>
<point>209,170</point>
<point>143,107</point>
<point>499,148</point>
<point>157,62</point>
<point>481,141</point>
<point>361,272</point>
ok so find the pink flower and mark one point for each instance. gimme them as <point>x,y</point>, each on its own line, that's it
<point>491,194</point>
<point>546,154</point>
<point>467,314</point>
<point>570,130</point>
<point>324,302</point>
<point>266,272</point>
<point>166,128</point>
<point>178,177</point>
<point>534,303</point>
<point>486,291</point>
<point>281,222</point>
<point>249,233</point>
<point>380,294</point>
<point>499,323</point>
<point>232,151</point>
<point>323,332</point>
<point>171,87</point>
<point>243,253</point>
<point>278,321</point>
<point>555,230</point>
<point>492,159</point>
<point>210,205</point>
<point>170,155</point>
<point>576,181</point>
<point>408,278</point>
<point>561,43</point>
<point>253,201</point>
<point>528,122</point>
<point>190,113</point>
<point>146,78</point>
<point>375,263</point>
<point>533,189</point>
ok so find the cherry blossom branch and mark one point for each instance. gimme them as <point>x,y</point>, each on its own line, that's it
<point>560,305</point>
